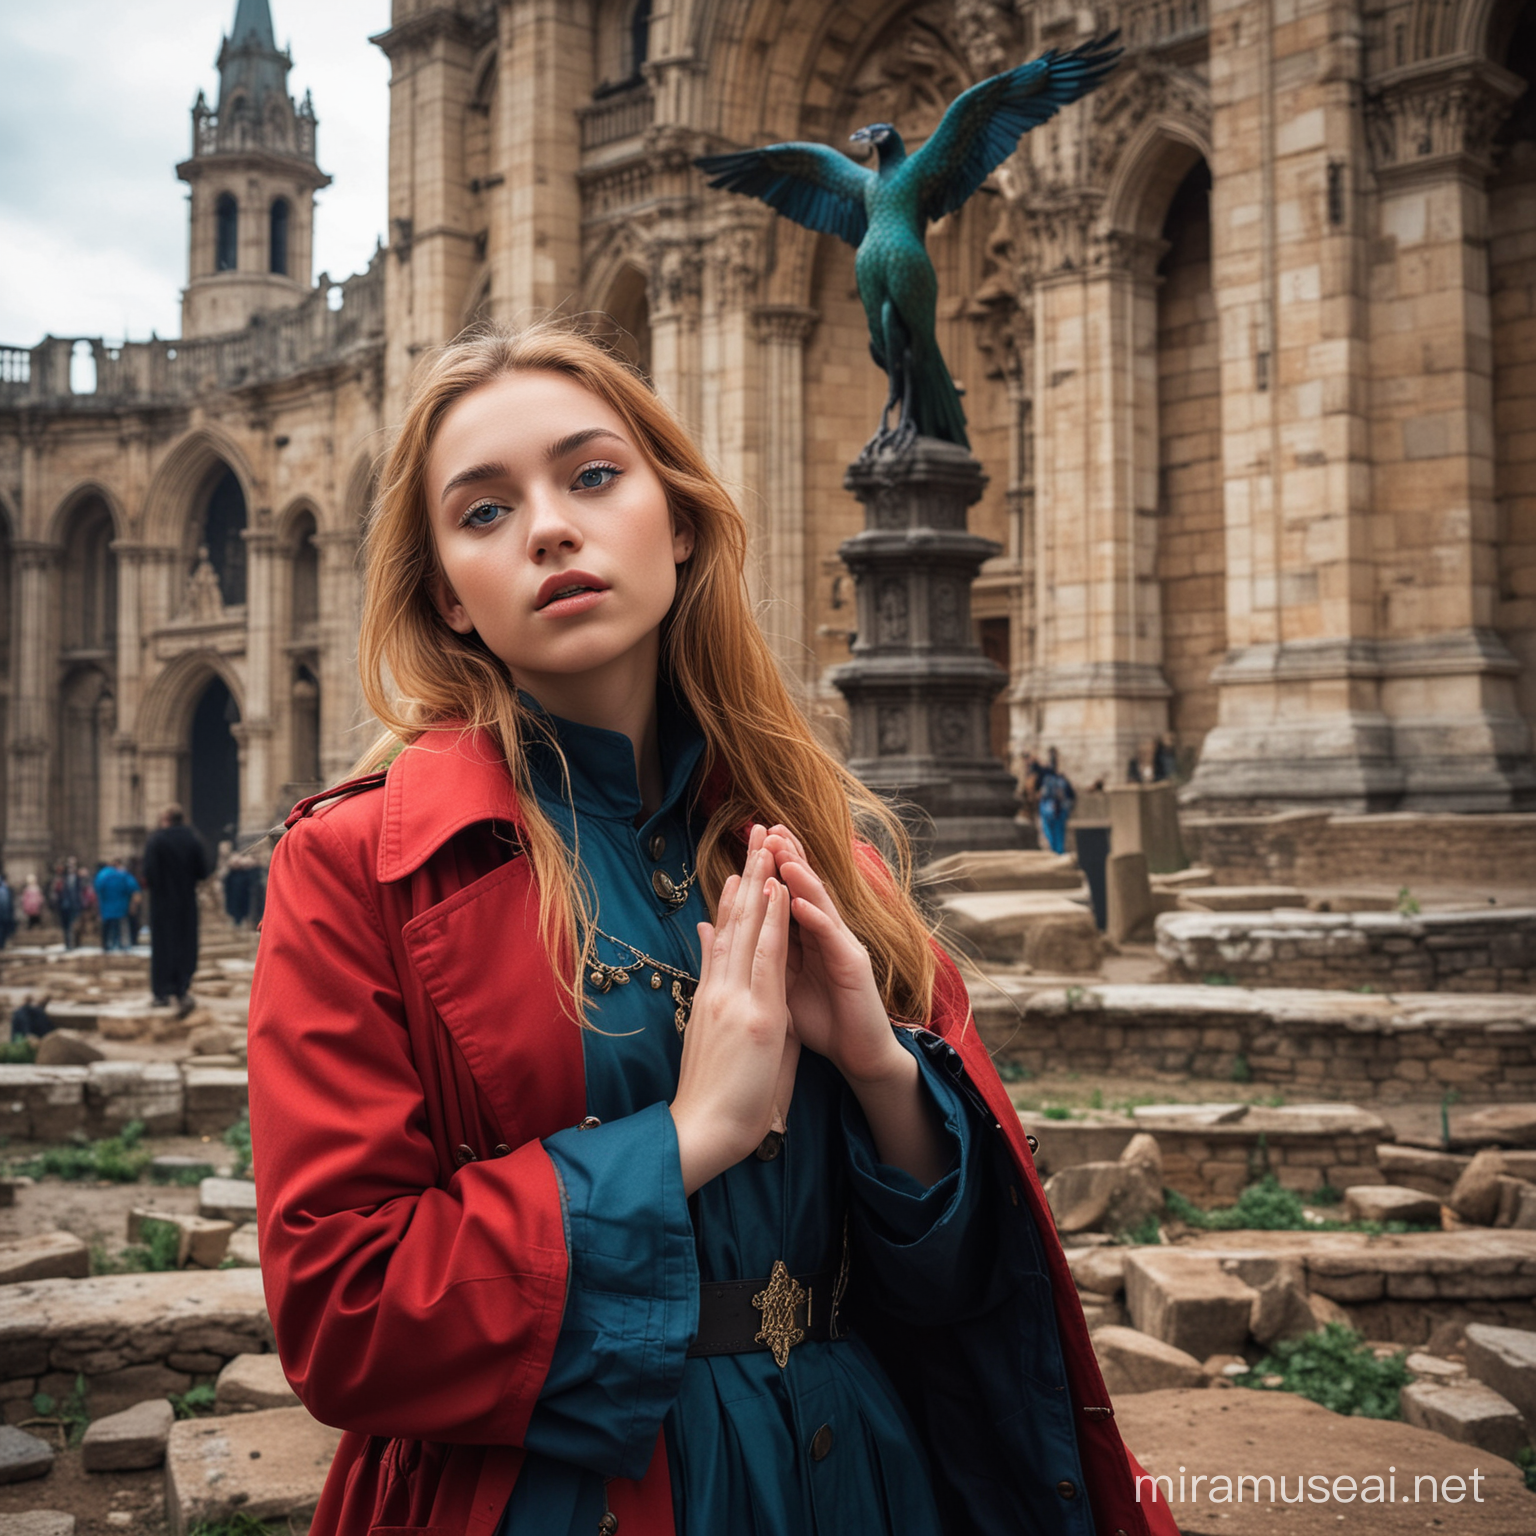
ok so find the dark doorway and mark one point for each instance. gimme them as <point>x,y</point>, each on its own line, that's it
<point>215,766</point>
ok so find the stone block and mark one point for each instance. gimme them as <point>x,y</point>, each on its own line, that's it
<point>119,1092</point>
<point>38,1522</point>
<point>22,1456</point>
<point>1241,898</point>
<point>1108,1197</point>
<point>1129,888</point>
<point>200,1240</point>
<point>42,1103</point>
<point>67,1048</point>
<point>128,1441</point>
<point>1433,1368</point>
<point>244,1247</point>
<point>1434,1173</point>
<point>267,1465</point>
<point>1475,1197</point>
<point>1144,818</point>
<point>1134,1362</point>
<point>1184,1297</point>
<point>1063,942</point>
<point>215,1040</point>
<point>1389,1202</point>
<point>1504,1359</point>
<point>47,1256</point>
<point>251,1382</point>
<point>1469,1412</point>
<point>1505,1125</point>
<point>216,1097</point>
<point>227,1200</point>
<point>1100,1270</point>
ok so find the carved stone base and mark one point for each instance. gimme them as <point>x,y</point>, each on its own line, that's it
<point>918,688</point>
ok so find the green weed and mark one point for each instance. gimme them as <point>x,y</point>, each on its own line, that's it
<point>114,1159</point>
<point>1325,1194</point>
<point>238,1138</point>
<point>1014,1072</point>
<point>71,1415</point>
<point>18,1053</point>
<point>1264,1206</point>
<point>1407,902</point>
<point>1337,1368</point>
<point>237,1524</point>
<point>1526,1461</point>
<point>194,1403</point>
<point>1143,1234</point>
<point>1218,979</point>
<point>1241,1072</point>
<point>155,1255</point>
<point>1056,1112</point>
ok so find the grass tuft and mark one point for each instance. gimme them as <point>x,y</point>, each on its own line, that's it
<point>1337,1368</point>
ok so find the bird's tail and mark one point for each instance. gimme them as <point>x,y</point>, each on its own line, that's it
<point>935,401</point>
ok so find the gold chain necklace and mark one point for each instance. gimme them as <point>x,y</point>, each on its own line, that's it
<point>606,977</point>
<point>675,895</point>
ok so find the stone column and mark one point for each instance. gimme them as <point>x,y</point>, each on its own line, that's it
<point>782,330</point>
<point>259,775</point>
<point>28,835</point>
<point>918,688</point>
<point>674,290</point>
<point>124,823</point>
<point>1447,679</point>
<point>1099,689</point>
<point>345,725</point>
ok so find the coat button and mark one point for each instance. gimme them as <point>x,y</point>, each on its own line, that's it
<point>657,846</point>
<point>821,1443</point>
<point>661,883</point>
<point>501,1150</point>
<point>608,1524</point>
<point>1067,1489</point>
<point>463,1155</point>
<point>588,1123</point>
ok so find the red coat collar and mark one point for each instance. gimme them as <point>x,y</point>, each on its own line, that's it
<point>446,780</point>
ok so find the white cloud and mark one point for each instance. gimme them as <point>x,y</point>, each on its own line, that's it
<point>95,100</point>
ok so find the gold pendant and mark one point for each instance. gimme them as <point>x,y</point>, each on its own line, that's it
<point>684,1009</point>
<point>777,1304</point>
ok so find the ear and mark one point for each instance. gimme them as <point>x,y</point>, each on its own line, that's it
<point>682,543</point>
<point>447,603</point>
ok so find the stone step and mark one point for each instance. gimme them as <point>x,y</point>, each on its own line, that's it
<point>46,1256</point>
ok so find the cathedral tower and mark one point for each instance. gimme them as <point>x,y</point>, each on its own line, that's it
<point>253,177</point>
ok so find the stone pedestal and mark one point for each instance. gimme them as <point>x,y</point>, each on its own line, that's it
<point>918,687</point>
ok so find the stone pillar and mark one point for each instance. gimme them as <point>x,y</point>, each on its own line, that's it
<point>1099,689</point>
<point>782,330</point>
<point>1447,678</point>
<point>260,778</point>
<point>345,725</point>
<point>28,836</point>
<point>918,688</point>
<point>674,290</point>
<point>123,825</point>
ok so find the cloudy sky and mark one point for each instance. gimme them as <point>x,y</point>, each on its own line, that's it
<point>95,99</point>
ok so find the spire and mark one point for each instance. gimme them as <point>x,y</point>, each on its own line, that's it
<point>250,63</point>
<point>253,26</point>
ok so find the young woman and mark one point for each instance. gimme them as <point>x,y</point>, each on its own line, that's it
<point>623,1157</point>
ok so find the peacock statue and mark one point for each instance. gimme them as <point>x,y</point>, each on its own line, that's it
<point>883,213</point>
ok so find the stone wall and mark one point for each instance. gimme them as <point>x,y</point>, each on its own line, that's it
<point>1489,950</point>
<point>1326,1045</point>
<point>1313,848</point>
<point>56,1103</point>
<point>1212,1152</point>
<point>130,1336</point>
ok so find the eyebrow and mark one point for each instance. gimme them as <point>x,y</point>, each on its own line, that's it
<point>479,473</point>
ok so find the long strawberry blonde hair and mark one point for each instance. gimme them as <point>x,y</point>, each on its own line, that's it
<point>761,757</point>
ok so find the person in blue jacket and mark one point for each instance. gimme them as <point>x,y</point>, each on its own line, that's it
<point>116,891</point>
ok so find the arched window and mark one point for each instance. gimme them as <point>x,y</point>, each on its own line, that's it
<point>227,245</point>
<point>639,37</point>
<point>279,262</point>
<point>90,580</point>
<point>305,611</point>
<point>223,536</point>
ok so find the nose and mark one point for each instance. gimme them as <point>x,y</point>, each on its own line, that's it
<point>551,528</point>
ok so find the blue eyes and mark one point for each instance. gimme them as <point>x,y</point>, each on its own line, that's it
<point>595,477</point>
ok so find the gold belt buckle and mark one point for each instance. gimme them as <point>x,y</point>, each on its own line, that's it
<point>778,1303</point>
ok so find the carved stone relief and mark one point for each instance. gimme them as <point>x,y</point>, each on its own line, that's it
<point>945,624</point>
<point>891,618</point>
<point>950,730</point>
<point>892,730</point>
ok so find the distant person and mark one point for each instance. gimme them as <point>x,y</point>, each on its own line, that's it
<point>239,882</point>
<point>175,861</point>
<point>7,911</point>
<point>32,902</point>
<point>1165,761</point>
<point>31,1021</point>
<point>69,898</point>
<point>115,892</point>
<point>1057,797</point>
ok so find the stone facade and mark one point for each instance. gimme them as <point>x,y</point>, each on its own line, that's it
<point>1246,337</point>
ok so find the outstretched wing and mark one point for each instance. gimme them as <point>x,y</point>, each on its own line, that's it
<point>809,183</point>
<point>984,124</point>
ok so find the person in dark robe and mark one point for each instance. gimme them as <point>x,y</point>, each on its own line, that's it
<point>175,861</point>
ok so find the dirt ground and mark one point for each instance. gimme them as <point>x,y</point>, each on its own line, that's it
<point>103,1503</point>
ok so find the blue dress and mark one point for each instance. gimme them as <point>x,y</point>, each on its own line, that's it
<point>738,1429</point>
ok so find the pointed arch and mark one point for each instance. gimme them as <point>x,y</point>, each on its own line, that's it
<point>187,474</point>
<point>165,716</point>
<point>57,530</point>
<point>1149,170</point>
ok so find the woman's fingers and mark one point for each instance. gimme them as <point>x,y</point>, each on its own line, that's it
<point>706,954</point>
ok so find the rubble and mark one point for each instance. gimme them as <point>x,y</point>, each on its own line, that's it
<point>67,1048</point>
<point>200,1241</point>
<point>38,1522</point>
<point>22,1456</point>
<point>48,1256</point>
<point>1389,1202</point>
<point>1504,1359</point>
<point>1184,1297</point>
<point>128,1441</point>
<point>250,1382</point>
<point>266,1465</point>
<point>1112,1197</point>
<point>1466,1411</point>
<point>1475,1197</point>
<point>227,1200</point>
<point>1134,1362</point>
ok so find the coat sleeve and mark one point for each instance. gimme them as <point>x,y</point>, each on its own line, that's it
<point>400,1308</point>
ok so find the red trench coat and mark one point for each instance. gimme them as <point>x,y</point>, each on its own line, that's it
<point>405,1061</point>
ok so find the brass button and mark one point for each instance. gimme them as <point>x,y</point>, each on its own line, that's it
<point>608,1524</point>
<point>1067,1489</point>
<point>500,1150</point>
<point>657,846</point>
<point>821,1443</point>
<point>464,1155</point>
<point>588,1123</point>
<point>661,883</point>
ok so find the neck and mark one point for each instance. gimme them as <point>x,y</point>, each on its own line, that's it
<point>619,697</point>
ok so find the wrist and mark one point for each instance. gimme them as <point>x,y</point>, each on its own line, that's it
<point>896,1071</point>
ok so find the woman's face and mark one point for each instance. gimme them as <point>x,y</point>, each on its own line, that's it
<point>556,542</point>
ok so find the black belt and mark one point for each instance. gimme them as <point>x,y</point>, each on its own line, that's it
<point>738,1317</point>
